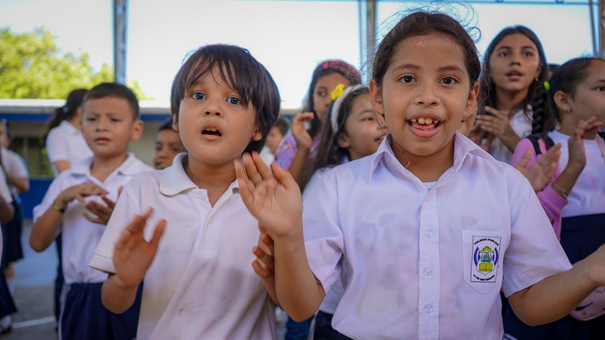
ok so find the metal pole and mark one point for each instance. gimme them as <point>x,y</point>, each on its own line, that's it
<point>120,21</point>
<point>601,22</point>
<point>367,36</point>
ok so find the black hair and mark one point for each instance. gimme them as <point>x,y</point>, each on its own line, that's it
<point>536,95</point>
<point>565,79</point>
<point>329,153</point>
<point>166,125</point>
<point>116,90</point>
<point>65,112</point>
<point>282,125</point>
<point>324,68</point>
<point>419,23</point>
<point>242,72</point>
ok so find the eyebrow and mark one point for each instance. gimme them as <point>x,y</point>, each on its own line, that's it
<point>510,47</point>
<point>417,67</point>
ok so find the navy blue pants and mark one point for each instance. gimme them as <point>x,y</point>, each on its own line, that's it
<point>84,316</point>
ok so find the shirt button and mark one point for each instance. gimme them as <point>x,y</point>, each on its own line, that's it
<point>197,194</point>
<point>427,271</point>
<point>428,309</point>
<point>428,234</point>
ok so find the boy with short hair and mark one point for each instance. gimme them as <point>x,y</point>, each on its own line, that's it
<point>110,120</point>
<point>168,144</point>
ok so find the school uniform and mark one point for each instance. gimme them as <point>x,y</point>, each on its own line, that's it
<point>579,220</point>
<point>521,124</point>
<point>427,260</point>
<point>13,164</point>
<point>65,142</point>
<point>201,284</point>
<point>82,314</point>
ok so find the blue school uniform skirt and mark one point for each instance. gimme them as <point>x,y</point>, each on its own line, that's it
<point>580,237</point>
<point>83,316</point>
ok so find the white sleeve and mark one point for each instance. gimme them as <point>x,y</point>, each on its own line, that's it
<point>56,146</point>
<point>123,213</point>
<point>15,165</point>
<point>4,190</point>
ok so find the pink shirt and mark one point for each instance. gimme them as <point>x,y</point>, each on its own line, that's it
<point>287,150</point>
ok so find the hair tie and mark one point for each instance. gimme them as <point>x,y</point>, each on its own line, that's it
<point>546,85</point>
<point>338,102</point>
<point>65,109</point>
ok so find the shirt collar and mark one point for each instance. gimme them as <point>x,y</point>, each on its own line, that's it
<point>174,180</point>
<point>385,156</point>
<point>129,167</point>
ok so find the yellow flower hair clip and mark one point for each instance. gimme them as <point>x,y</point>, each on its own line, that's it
<point>338,91</point>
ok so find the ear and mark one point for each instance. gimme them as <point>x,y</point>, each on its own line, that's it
<point>470,111</point>
<point>257,135</point>
<point>137,130</point>
<point>376,93</point>
<point>175,122</point>
<point>343,140</point>
<point>562,101</point>
<point>538,71</point>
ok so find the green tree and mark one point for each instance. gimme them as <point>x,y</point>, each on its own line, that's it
<point>32,66</point>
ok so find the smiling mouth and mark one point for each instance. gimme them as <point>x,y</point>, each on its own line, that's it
<point>424,123</point>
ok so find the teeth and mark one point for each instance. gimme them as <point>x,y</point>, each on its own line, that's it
<point>424,121</point>
<point>211,129</point>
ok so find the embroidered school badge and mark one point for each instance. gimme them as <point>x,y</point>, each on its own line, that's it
<point>486,254</point>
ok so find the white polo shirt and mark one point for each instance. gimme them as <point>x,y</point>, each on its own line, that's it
<point>429,264</point>
<point>80,236</point>
<point>65,142</point>
<point>4,189</point>
<point>13,163</point>
<point>201,283</point>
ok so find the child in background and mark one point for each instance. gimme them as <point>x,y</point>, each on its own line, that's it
<point>198,280</point>
<point>514,69</point>
<point>110,114</point>
<point>300,144</point>
<point>275,136</point>
<point>425,232</point>
<point>7,304</point>
<point>351,132</point>
<point>574,200</point>
<point>167,145</point>
<point>62,136</point>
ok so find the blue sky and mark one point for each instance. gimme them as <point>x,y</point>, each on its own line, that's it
<point>288,37</point>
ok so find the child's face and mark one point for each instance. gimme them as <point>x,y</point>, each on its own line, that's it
<point>167,145</point>
<point>515,64</point>
<point>322,94</point>
<point>362,135</point>
<point>273,138</point>
<point>425,96</point>
<point>589,96</point>
<point>214,124</point>
<point>108,126</point>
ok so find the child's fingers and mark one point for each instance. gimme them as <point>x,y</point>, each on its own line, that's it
<point>157,233</point>
<point>258,270</point>
<point>252,169</point>
<point>110,204</point>
<point>284,177</point>
<point>242,181</point>
<point>526,158</point>
<point>262,168</point>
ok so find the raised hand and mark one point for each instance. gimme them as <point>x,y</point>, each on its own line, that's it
<point>263,264</point>
<point>575,142</point>
<point>498,124</point>
<point>133,254</point>
<point>541,171</point>
<point>299,130</point>
<point>271,195</point>
<point>480,137</point>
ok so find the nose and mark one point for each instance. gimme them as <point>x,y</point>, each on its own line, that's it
<point>213,107</point>
<point>426,94</point>
<point>102,123</point>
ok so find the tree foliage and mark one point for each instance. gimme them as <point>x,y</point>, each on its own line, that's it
<point>32,66</point>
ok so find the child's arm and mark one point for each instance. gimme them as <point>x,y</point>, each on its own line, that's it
<point>557,295</point>
<point>132,257</point>
<point>540,172</point>
<point>304,142</point>
<point>275,200</point>
<point>263,265</point>
<point>7,212</point>
<point>45,228</point>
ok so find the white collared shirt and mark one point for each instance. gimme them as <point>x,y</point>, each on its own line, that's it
<point>79,235</point>
<point>4,189</point>
<point>201,283</point>
<point>428,264</point>
<point>65,142</point>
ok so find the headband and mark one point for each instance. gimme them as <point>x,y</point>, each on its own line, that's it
<point>338,102</point>
<point>338,66</point>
